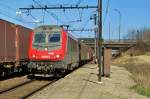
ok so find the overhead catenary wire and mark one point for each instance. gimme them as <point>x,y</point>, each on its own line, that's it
<point>2,13</point>
<point>10,8</point>
<point>45,7</point>
<point>7,7</point>
<point>14,10</point>
<point>86,23</point>
<point>50,13</point>
<point>65,4</point>
<point>80,14</point>
<point>32,16</point>
<point>58,7</point>
<point>43,16</point>
<point>38,3</point>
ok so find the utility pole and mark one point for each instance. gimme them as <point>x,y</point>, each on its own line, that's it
<point>99,37</point>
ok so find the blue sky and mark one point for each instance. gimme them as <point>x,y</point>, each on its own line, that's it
<point>135,14</point>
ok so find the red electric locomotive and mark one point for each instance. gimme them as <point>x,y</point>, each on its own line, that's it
<point>52,51</point>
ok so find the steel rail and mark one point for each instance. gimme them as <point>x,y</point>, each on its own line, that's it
<point>37,90</point>
<point>16,86</point>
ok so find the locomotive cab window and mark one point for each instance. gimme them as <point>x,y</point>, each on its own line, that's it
<point>54,37</point>
<point>47,39</point>
<point>40,38</point>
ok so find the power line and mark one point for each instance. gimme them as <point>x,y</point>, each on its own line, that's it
<point>33,17</point>
<point>50,13</point>
<point>80,14</point>
<point>43,16</point>
<point>8,7</point>
<point>58,8</point>
<point>61,7</point>
<point>11,17</point>
<point>85,30</point>
<point>86,23</point>
<point>77,20</point>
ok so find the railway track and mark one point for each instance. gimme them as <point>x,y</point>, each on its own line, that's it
<point>24,90</point>
<point>15,86</point>
<point>27,87</point>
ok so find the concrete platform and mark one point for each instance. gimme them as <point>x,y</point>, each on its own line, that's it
<point>82,84</point>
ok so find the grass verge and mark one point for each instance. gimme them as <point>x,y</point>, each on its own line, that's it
<point>141,90</point>
<point>140,71</point>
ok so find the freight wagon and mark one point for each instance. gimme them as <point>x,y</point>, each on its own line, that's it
<point>86,53</point>
<point>14,42</point>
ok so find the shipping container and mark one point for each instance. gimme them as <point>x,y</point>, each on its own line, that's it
<point>14,43</point>
<point>84,54</point>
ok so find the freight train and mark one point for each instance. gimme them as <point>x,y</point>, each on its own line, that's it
<point>14,42</point>
<point>52,51</point>
<point>47,49</point>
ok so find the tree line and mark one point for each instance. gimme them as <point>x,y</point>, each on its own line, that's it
<point>142,39</point>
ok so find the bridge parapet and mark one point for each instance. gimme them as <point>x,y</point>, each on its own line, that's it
<point>123,43</point>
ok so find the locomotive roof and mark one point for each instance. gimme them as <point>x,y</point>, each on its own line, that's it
<point>53,28</point>
<point>48,27</point>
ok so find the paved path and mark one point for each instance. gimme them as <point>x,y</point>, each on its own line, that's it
<point>82,84</point>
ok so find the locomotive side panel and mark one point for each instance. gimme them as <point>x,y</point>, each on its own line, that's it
<point>72,54</point>
<point>68,59</point>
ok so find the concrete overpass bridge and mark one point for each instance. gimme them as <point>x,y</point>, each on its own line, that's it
<point>111,48</point>
<point>112,44</point>
<point>115,44</point>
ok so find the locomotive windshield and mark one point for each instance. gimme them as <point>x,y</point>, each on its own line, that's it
<point>49,40</point>
<point>54,37</point>
<point>40,38</point>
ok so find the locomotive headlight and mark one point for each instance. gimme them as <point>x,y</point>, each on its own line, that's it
<point>33,55</point>
<point>46,49</point>
<point>57,56</point>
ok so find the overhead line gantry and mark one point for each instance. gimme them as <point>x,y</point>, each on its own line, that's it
<point>58,7</point>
